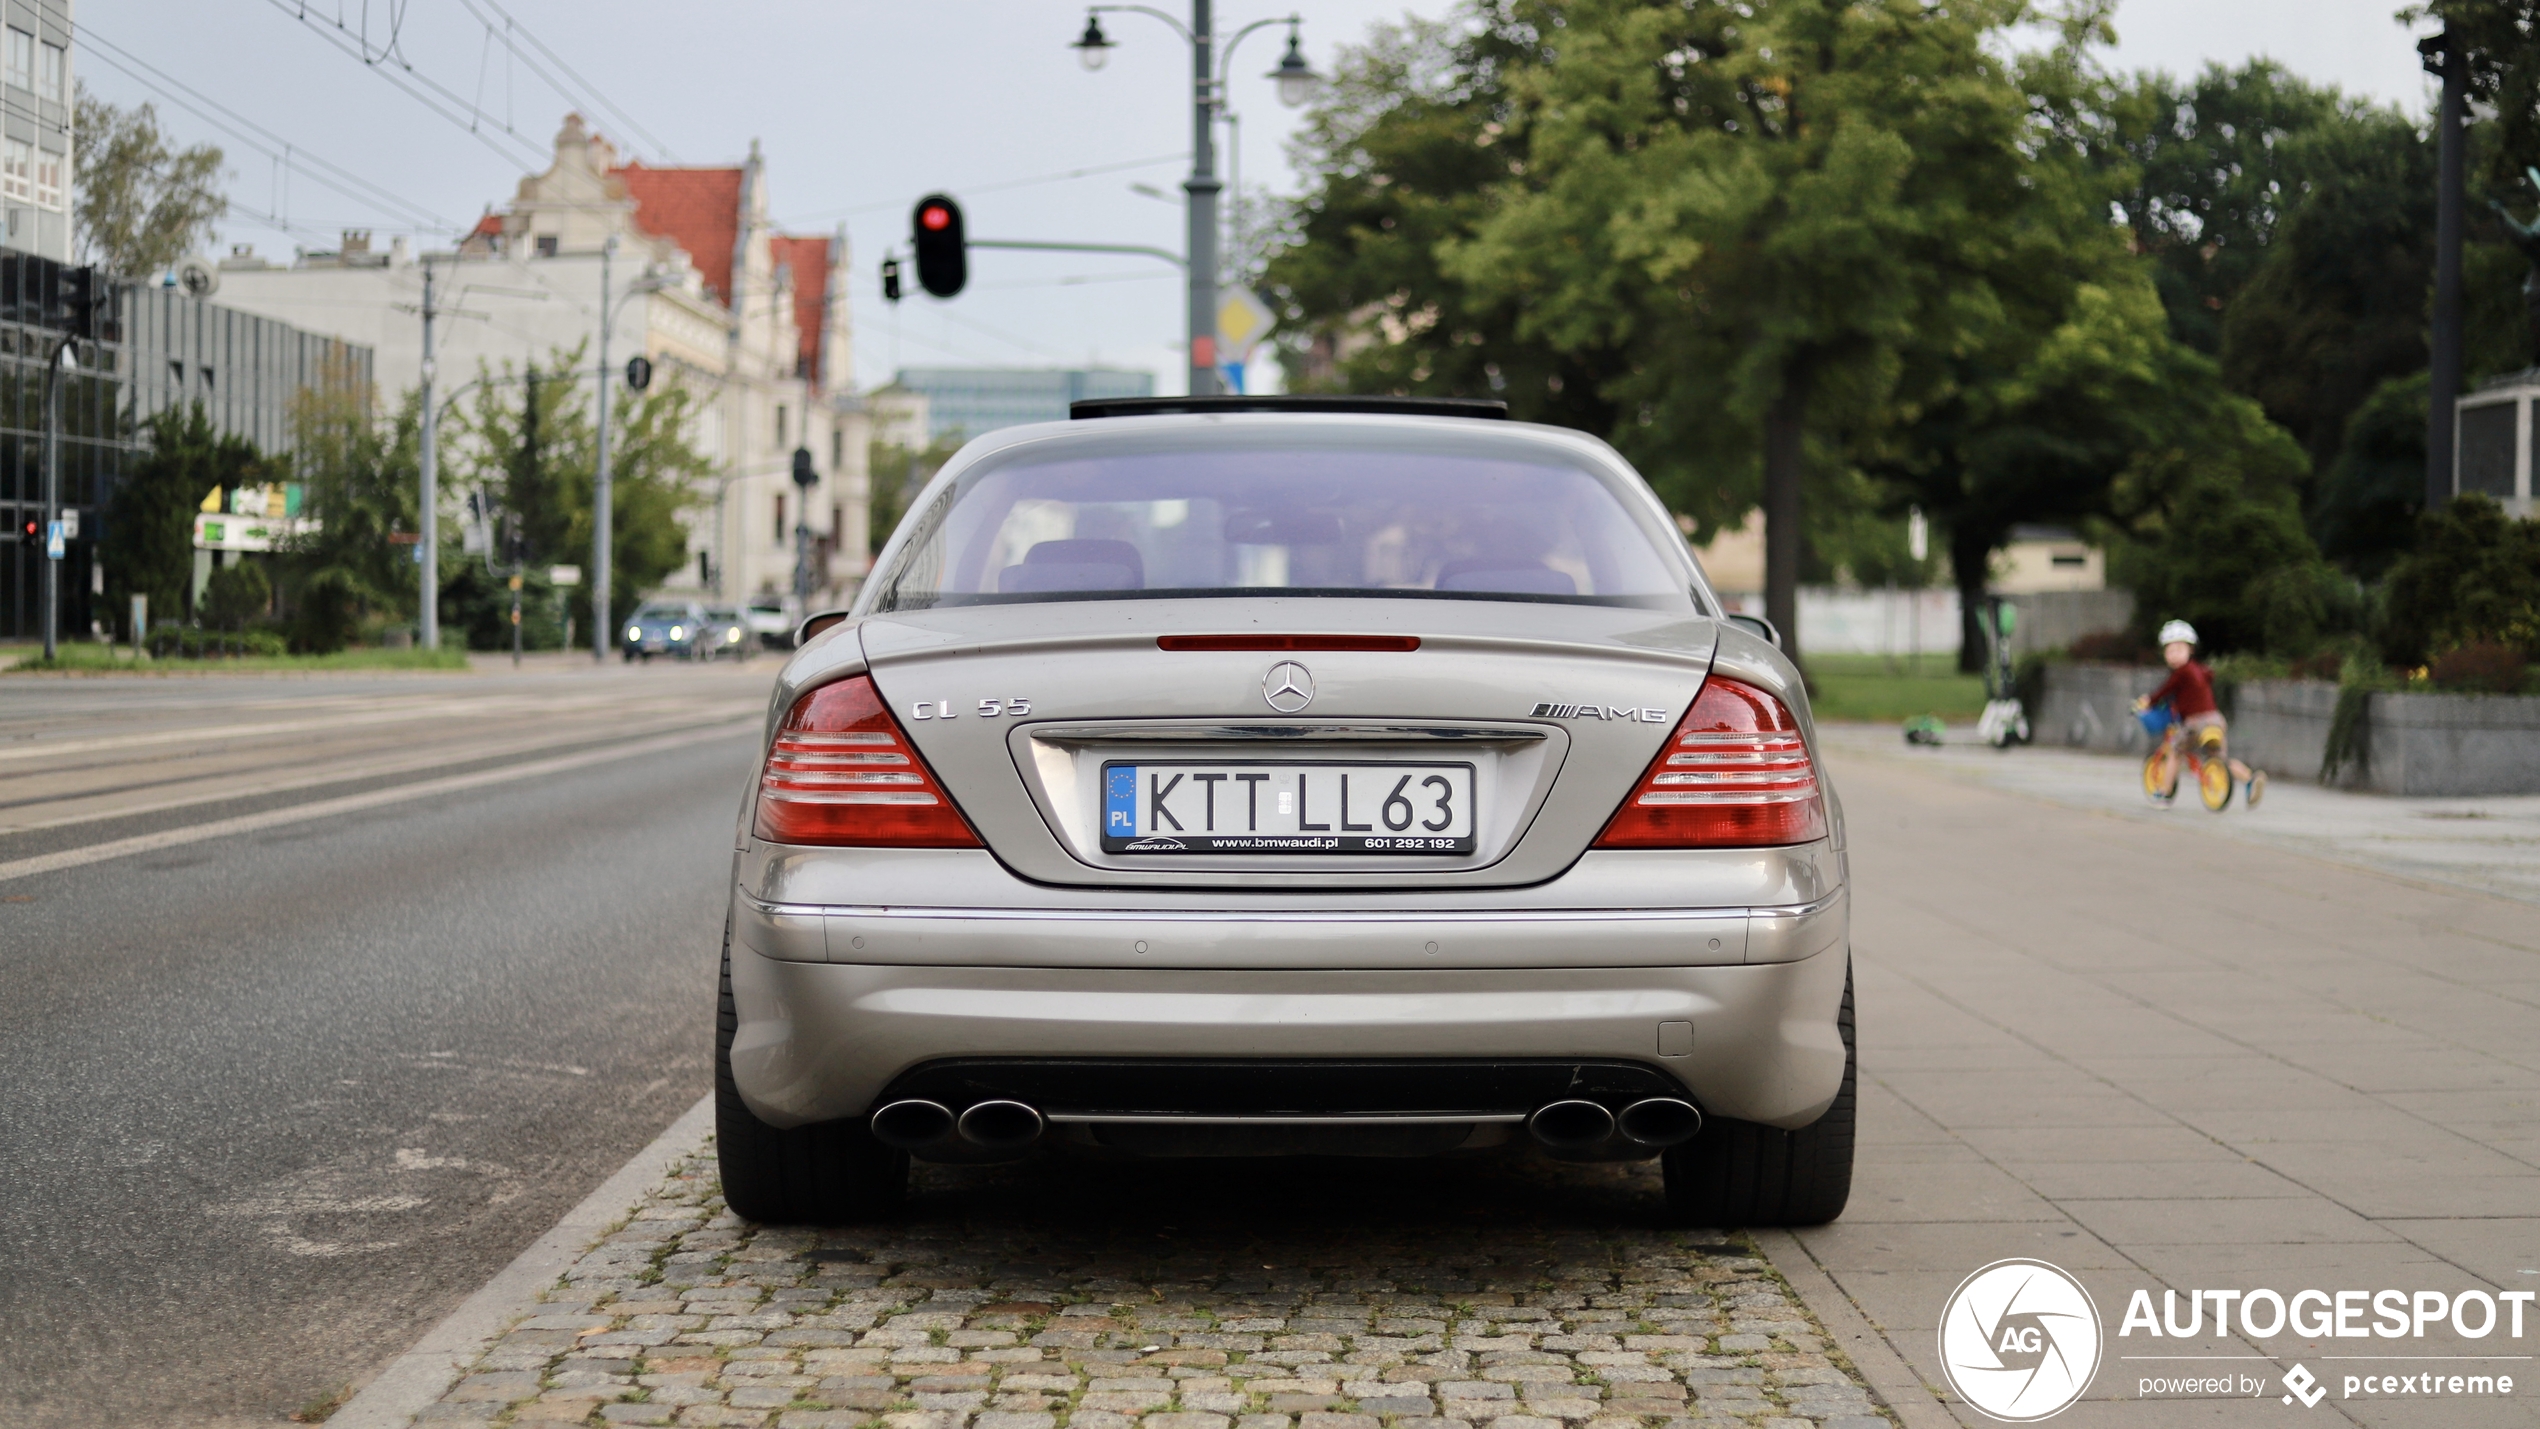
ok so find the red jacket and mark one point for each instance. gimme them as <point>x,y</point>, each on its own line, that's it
<point>2189,690</point>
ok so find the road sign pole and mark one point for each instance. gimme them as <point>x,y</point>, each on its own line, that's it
<point>428,514</point>
<point>1202,187</point>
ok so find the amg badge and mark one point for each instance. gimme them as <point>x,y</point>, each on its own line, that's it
<point>1645,716</point>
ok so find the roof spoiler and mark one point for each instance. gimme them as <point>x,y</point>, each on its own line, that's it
<point>1393,406</point>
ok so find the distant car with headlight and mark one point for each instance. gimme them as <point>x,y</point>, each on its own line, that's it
<point>727,634</point>
<point>664,627</point>
<point>1241,776</point>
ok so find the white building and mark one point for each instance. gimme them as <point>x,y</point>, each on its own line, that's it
<point>35,154</point>
<point>753,321</point>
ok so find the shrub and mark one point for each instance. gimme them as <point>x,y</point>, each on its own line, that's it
<point>2473,578</point>
<point>2117,647</point>
<point>2487,667</point>
<point>328,609</point>
<point>186,642</point>
<point>2238,565</point>
<point>236,594</point>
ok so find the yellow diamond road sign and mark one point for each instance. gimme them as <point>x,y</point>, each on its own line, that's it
<point>1242,322</point>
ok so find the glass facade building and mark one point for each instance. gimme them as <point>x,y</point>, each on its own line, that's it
<point>155,349</point>
<point>970,401</point>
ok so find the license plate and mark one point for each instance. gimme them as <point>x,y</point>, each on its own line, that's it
<point>1287,808</point>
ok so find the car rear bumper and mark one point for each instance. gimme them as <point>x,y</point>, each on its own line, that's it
<point>821,1037</point>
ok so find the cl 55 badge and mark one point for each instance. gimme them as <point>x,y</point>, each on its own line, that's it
<point>1553,711</point>
<point>988,709</point>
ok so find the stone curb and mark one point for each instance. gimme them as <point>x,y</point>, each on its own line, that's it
<point>1847,1329</point>
<point>414,1380</point>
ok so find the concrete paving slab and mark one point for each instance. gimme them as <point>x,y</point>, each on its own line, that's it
<point>2201,1060</point>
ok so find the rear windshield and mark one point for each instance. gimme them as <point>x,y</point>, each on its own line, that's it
<point>1316,520</point>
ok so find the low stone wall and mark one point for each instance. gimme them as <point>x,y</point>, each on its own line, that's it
<point>2430,745</point>
<point>2091,706</point>
<point>2450,745</point>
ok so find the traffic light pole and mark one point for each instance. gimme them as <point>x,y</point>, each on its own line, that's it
<point>53,494</point>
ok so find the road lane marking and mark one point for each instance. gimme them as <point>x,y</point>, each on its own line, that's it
<point>432,756</point>
<point>353,803</point>
<point>415,1380</point>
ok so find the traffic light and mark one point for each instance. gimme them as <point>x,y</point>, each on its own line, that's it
<point>77,290</point>
<point>943,259</point>
<point>891,279</point>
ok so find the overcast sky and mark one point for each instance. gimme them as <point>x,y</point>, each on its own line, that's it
<point>861,106</point>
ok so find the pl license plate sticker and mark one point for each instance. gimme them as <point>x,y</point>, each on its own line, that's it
<point>1287,808</point>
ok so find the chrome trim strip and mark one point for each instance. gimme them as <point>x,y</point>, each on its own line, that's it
<point>1058,1118</point>
<point>1161,732</point>
<point>1280,915</point>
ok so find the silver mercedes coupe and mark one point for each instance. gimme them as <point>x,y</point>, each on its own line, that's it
<point>1312,776</point>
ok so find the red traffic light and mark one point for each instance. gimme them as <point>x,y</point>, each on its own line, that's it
<point>943,254</point>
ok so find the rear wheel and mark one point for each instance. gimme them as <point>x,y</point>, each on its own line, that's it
<point>1736,1173</point>
<point>828,1173</point>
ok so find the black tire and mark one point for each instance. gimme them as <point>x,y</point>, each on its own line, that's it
<point>1737,1173</point>
<point>829,1173</point>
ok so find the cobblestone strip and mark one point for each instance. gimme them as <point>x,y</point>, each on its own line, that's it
<point>687,1315</point>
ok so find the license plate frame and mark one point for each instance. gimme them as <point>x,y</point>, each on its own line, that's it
<point>1356,823</point>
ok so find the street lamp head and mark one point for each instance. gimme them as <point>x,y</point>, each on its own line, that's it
<point>1297,79</point>
<point>1093,47</point>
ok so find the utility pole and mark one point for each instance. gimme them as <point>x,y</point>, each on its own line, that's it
<point>431,495</point>
<point>602,627</point>
<point>2443,58</point>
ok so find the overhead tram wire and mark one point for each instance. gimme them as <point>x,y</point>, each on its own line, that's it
<point>470,116</point>
<point>590,96</point>
<point>242,128</point>
<point>995,187</point>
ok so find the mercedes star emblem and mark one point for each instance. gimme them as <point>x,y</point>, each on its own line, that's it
<point>1288,687</point>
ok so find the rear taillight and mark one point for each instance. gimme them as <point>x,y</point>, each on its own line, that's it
<point>1736,775</point>
<point>841,772</point>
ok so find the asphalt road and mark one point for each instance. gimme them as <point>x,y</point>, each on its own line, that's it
<point>275,1103</point>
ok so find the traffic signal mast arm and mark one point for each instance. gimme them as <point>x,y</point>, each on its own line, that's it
<point>1176,259</point>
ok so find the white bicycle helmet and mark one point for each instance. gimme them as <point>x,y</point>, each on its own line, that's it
<point>2176,631</point>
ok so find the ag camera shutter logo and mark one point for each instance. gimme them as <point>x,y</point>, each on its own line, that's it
<point>2019,1340</point>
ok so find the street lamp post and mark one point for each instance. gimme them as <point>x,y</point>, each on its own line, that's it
<point>429,517</point>
<point>603,628</point>
<point>1208,96</point>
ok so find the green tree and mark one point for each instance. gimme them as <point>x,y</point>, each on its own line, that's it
<point>531,446</point>
<point>2337,304</point>
<point>236,594</point>
<point>2217,163</point>
<point>895,474</point>
<point>148,545</point>
<point>140,203</point>
<point>364,482</point>
<point>2365,512</point>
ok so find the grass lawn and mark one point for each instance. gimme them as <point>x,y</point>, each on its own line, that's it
<point>1874,687</point>
<point>88,657</point>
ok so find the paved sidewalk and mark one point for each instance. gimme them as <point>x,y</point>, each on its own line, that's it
<point>2167,1060</point>
<point>1350,1295</point>
<point>2491,844</point>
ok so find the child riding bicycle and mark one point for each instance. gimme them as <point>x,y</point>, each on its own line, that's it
<point>2189,695</point>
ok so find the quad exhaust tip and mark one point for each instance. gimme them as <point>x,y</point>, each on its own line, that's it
<point>1570,1125</point>
<point>1000,1126</point>
<point>1660,1121</point>
<point>909,1125</point>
